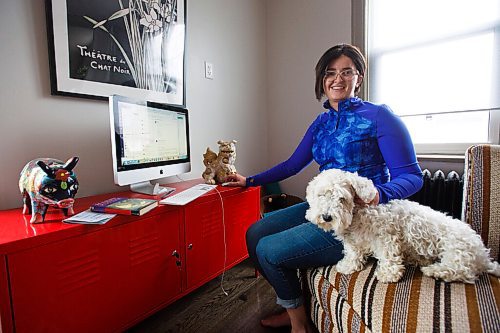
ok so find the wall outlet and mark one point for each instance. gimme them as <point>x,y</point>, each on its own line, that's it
<point>209,70</point>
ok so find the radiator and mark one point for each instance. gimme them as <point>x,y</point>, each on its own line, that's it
<point>440,192</point>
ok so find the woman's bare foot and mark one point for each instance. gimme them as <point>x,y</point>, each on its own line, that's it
<point>277,320</point>
<point>300,321</point>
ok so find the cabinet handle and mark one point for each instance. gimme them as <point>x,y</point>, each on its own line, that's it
<point>175,254</point>
<point>190,246</point>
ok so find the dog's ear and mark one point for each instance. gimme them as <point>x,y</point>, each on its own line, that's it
<point>364,188</point>
<point>310,190</point>
<point>317,186</point>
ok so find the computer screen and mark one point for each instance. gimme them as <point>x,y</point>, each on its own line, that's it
<point>149,141</point>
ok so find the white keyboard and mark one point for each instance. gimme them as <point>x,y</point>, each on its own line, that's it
<point>186,196</point>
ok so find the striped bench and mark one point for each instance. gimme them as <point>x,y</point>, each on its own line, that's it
<point>359,303</point>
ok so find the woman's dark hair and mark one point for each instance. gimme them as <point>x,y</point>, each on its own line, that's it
<point>334,53</point>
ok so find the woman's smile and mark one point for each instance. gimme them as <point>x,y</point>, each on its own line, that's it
<point>340,80</point>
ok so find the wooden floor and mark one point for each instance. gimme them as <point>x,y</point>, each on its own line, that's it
<point>208,309</point>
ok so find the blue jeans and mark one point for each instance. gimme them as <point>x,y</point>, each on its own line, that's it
<point>283,242</point>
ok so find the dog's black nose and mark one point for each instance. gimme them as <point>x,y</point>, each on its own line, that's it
<point>326,217</point>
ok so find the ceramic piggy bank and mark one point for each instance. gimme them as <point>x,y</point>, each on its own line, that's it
<point>48,182</point>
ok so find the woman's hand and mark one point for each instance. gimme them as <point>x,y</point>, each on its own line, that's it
<point>374,202</point>
<point>236,180</point>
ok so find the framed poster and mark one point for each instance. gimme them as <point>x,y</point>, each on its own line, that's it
<point>134,48</point>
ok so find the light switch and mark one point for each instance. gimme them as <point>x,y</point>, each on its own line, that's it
<point>209,70</point>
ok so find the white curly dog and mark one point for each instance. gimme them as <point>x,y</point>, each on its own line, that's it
<point>395,233</point>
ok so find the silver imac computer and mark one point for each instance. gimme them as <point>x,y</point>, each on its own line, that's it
<point>149,141</point>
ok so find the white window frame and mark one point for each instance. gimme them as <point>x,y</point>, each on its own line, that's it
<point>359,21</point>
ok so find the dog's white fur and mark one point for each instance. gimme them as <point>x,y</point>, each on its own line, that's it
<point>395,233</point>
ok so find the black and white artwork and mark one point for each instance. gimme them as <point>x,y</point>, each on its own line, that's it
<point>133,48</point>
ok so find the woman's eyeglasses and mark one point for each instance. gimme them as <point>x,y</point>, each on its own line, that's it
<point>346,74</point>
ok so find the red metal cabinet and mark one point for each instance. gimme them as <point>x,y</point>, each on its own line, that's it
<point>57,277</point>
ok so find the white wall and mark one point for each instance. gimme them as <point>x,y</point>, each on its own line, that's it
<point>230,34</point>
<point>263,51</point>
<point>299,32</point>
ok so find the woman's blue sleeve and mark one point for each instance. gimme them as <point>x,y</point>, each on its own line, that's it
<point>399,154</point>
<point>301,158</point>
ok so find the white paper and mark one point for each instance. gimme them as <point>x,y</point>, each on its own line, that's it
<point>89,217</point>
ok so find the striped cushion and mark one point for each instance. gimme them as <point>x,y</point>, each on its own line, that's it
<point>481,208</point>
<point>359,303</point>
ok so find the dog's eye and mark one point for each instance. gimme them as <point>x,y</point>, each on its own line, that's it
<point>342,200</point>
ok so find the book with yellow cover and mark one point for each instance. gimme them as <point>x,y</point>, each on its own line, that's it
<point>125,206</point>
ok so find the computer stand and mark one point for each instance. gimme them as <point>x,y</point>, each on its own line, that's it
<point>150,189</point>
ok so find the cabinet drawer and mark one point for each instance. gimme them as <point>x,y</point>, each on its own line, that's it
<point>214,230</point>
<point>204,242</point>
<point>240,212</point>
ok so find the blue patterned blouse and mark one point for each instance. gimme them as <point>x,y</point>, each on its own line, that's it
<point>361,137</point>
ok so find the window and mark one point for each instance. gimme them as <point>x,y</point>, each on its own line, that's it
<point>436,63</point>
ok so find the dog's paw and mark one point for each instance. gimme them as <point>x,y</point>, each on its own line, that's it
<point>347,267</point>
<point>389,274</point>
<point>442,272</point>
